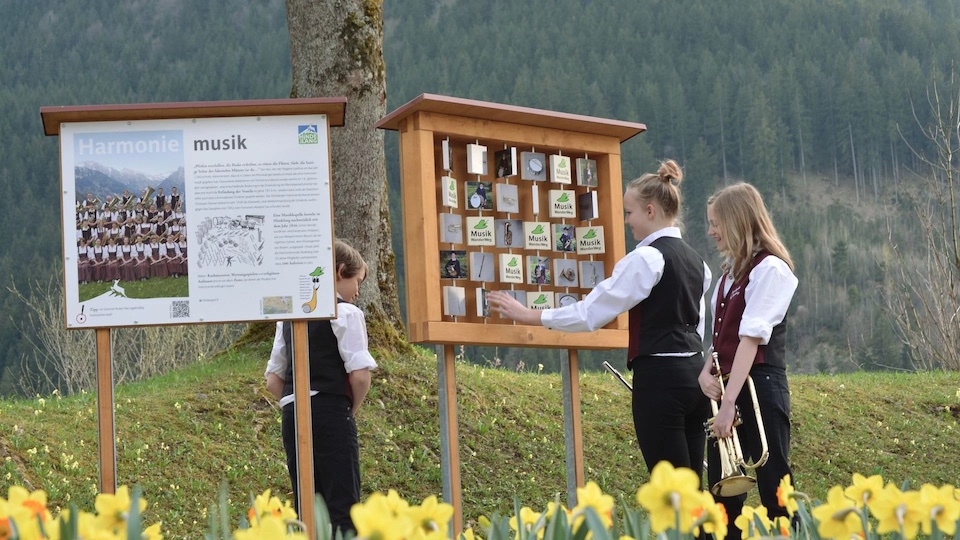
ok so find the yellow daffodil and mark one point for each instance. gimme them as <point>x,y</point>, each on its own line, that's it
<point>376,520</point>
<point>670,497</point>
<point>711,517</point>
<point>591,496</point>
<point>528,518</point>
<point>747,522</point>
<point>469,535</point>
<point>838,517</point>
<point>897,511</point>
<point>431,518</point>
<point>153,532</point>
<point>863,488</point>
<point>269,528</point>
<point>942,508</point>
<point>785,496</point>
<point>553,508</point>
<point>264,505</point>
<point>395,503</point>
<point>27,510</point>
<point>113,509</point>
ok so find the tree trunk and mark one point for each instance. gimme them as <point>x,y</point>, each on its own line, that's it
<point>336,49</point>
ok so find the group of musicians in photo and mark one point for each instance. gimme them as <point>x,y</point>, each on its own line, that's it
<point>131,238</point>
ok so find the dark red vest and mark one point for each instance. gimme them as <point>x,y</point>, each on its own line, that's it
<point>726,324</point>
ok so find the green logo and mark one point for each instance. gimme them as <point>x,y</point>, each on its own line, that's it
<point>452,186</point>
<point>563,198</point>
<point>317,272</point>
<point>562,164</point>
<point>513,262</point>
<point>590,234</point>
<point>540,300</point>
<point>537,230</point>
<point>482,224</point>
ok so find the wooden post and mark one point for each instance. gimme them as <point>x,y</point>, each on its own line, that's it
<point>302,420</point>
<point>449,435</point>
<point>572,425</point>
<point>106,425</point>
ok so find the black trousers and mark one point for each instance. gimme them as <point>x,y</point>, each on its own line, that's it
<point>669,410</point>
<point>773,397</point>
<point>336,456</point>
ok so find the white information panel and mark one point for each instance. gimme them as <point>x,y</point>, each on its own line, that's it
<point>197,221</point>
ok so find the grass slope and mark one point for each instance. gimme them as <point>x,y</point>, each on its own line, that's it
<point>179,436</point>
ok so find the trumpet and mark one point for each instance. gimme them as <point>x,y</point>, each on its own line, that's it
<point>733,478</point>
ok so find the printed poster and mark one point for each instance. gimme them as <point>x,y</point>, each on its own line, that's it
<point>197,221</point>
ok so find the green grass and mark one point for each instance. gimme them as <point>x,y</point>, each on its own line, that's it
<point>168,287</point>
<point>180,435</point>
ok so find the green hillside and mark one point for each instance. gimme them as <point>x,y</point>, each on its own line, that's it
<point>181,434</point>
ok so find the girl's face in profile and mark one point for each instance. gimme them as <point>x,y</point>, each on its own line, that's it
<point>713,229</point>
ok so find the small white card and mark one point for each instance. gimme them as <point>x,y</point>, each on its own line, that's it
<point>535,199</point>
<point>511,268</point>
<point>449,192</point>
<point>509,233</point>
<point>476,159</point>
<point>562,203</point>
<point>590,240</point>
<point>483,305</point>
<point>454,301</point>
<point>565,272</point>
<point>536,235</point>
<point>591,273</point>
<point>540,300</point>
<point>480,231</point>
<point>446,155</point>
<point>481,266</point>
<point>560,169</point>
<point>508,200</point>
<point>533,166</point>
<point>565,299</point>
<point>451,229</point>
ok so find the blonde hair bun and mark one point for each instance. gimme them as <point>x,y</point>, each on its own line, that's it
<point>670,172</point>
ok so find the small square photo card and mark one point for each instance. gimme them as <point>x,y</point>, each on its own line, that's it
<point>509,233</point>
<point>479,195</point>
<point>448,186</point>
<point>540,300</point>
<point>586,172</point>
<point>477,159</point>
<point>483,305</point>
<point>482,266</point>
<point>453,264</point>
<point>587,206</point>
<point>533,166</point>
<point>508,200</point>
<point>538,270</point>
<point>506,162</point>
<point>566,299</point>
<point>591,273</point>
<point>536,235</point>
<point>451,229</point>
<point>480,231</point>
<point>454,301</point>
<point>565,272</point>
<point>511,268</point>
<point>446,155</point>
<point>564,238</point>
<point>560,169</point>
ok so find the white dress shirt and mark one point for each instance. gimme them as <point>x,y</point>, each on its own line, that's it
<point>634,276</point>
<point>767,297</point>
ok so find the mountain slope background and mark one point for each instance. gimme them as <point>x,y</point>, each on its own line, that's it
<point>815,101</point>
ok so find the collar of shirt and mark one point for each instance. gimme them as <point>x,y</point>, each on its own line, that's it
<point>666,231</point>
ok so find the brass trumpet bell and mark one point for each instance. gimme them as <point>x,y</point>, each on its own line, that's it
<point>733,485</point>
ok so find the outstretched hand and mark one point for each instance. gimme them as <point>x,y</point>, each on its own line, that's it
<point>508,307</point>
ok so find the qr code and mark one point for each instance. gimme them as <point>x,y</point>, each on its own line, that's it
<point>179,309</point>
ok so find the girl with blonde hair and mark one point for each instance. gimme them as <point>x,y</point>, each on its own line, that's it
<point>750,306</point>
<point>661,284</point>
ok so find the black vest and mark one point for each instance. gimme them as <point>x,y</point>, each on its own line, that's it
<point>667,320</point>
<point>327,374</point>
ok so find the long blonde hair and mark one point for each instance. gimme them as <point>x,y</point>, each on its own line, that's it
<point>662,188</point>
<point>745,227</point>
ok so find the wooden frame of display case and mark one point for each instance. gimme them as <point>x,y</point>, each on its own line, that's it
<point>423,125</point>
